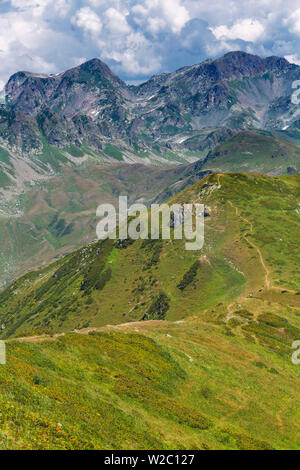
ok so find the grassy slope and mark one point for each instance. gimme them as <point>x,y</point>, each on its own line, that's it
<point>255,152</point>
<point>197,384</point>
<point>120,284</point>
<point>59,216</point>
<point>222,378</point>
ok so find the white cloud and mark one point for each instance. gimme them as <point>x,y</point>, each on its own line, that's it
<point>88,20</point>
<point>115,22</point>
<point>293,22</point>
<point>25,31</point>
<point>117,41</point>
<point>39,7</point>
<point>140,37</point>
<point>98,3</point>
<point>159,15</point>
<point>25,39</point>
<point>132,54</point>
<point>246,29</point>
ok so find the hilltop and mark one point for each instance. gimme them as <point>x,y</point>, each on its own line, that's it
<point>51,218</point>
<point>259,152</point>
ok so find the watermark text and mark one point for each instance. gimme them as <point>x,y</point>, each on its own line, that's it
<point>184,221</point>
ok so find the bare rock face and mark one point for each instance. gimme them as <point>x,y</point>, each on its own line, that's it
<point>89,104</point>
<point>70,92</point>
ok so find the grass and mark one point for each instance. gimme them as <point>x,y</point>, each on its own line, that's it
<point>157,386</point>
<point>212,370</point>
<point>71,197</point>
<point>113,152</point>
<point>254,152</point>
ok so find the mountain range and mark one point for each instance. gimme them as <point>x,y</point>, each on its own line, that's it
<point>89,104</point>
<point>88,113</point>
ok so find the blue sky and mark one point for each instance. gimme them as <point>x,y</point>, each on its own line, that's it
<point>139,38</point>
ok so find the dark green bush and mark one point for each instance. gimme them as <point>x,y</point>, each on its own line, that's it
<point>189,276</point>
<point>158,308</point>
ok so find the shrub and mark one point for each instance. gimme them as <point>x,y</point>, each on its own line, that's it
<point>153,249</point>
<point>158,308</point>
<point>273,320</point>
<point>189,276</point>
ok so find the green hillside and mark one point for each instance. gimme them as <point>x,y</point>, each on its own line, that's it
<point>252,218</point>
<point>55,217</point>
<point>200,384</point>
<point>210,369</point>
<point>254,151</point>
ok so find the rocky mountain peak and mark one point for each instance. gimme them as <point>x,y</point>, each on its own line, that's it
<point>239,64</point>
<point>94,71</point>
<point>30,92</point>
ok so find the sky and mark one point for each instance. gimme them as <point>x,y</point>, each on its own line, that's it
<point>140,38</point>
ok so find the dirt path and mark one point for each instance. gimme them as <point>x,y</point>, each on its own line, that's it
<point>85,331</point>
<point>267,281</point>
<point>218,178</point>
<point>268,284</point>
<point>229,310</point>
<point>35,339</point>
<point>262,261</point>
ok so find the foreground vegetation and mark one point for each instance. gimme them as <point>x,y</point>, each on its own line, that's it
<point>198,384</point>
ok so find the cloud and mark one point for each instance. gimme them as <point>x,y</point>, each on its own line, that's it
<point>138,38</point>
<point>131,54</point>
<point>116,23</point>
<point>20,42</point>
<point>88,20</point>
<point>246,29</point>
<point>160,15</point>
<point>293,22</point>
<point>40,7</point>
